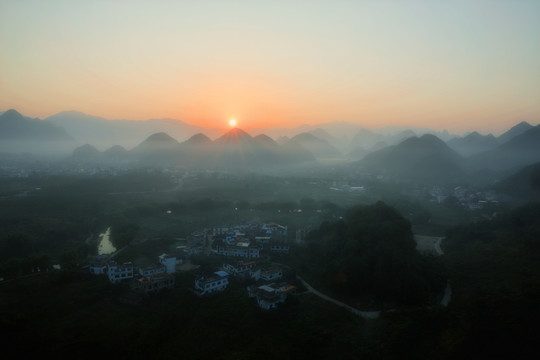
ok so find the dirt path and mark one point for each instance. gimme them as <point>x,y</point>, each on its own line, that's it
<point>363,314</point>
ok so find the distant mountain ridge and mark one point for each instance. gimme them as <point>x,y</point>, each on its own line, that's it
<point>473,143</point>
<point>98,130</point>
<point>514,131</point>
<point>521,150</point>
<point>14,126</point>
<point>234,150</point>
<point>306,143</point>
<point>320,148</point>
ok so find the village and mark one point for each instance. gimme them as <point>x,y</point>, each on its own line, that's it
<point>245,249</point>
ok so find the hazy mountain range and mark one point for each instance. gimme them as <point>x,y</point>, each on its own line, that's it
<point>83,128</point>
<point>401,153</point>
<point>103,132</point>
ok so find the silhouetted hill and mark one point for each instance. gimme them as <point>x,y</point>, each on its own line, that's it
<point>318,147</point>
<point>267,141</point>
<point>116,152</point>
<point>514,131</point>
<point>159,147</point>
<point>520,151</point>
<point>524,184</point>
<point>236,149</point>
<point>197,140</point>
<point>359,152</point>
<point>160,138</point>
<point>399,137</point>
<point>87,152</point>
<point>324,135</point>
<point>473,143</point>
<point>395,131</point>
<point>426,158</point>
<point>14,126</point>
<point>366,139</point>
<point>197,151</point>
<point>235,137</point>
<point>98,130</point>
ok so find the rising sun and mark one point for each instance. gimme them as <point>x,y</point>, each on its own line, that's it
<point>232,122</point>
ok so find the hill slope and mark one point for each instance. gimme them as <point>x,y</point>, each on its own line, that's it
<point>426,158</point>
<point>14,126</point>
<point>522,150</point>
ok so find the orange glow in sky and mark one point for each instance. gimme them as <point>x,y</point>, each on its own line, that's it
<point>460,65</point>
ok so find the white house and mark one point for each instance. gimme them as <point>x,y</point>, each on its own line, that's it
<point>281,248</point>
<point>242,249</point>
<point>274,230</point>
<point>170,262</point>
<point>271,295</point>
<point>117,273</point>
<point>192,250</point>
<point>271,274</point>
<point>96,269</point>
<point>99,265</point>
<point>152,270</point>
<point>240,267</point>
<point>207,285</point>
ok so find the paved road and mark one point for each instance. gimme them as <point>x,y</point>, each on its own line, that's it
<point>433,243</point>
<point>363,314</point>
<point>430,243</point>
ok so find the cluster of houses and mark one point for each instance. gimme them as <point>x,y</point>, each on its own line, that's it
<point>266,291</point>
<point>250,240</point>
<point>243,241</point>
<point>466,196</point>
<point>149,279</point>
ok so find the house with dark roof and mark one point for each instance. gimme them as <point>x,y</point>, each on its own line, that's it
<point>155,283</point>
<point>218,282</point>
<point>271,295</point>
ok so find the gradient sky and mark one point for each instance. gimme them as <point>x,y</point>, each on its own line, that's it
<point>456,65</point>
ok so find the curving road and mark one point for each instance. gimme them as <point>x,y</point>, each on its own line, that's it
<point>424,243</point>
<point>363,314</point>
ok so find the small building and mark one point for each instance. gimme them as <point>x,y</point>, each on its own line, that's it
<point>280,248</point>
<point>155,283</point>
<point>117,273</point>
<point>152,270</point>
<point>98,266</point>
<point>240,268</point>
<point>241,249</point>
<point>271,274</point>
<point>190,250</point>
<point>218,282</point>
<point>263,239</point>
<point>271,295</point>
<point>274,230</point>
<point>170,262</point>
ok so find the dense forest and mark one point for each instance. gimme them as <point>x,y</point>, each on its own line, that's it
<point>371,256</point>
<point>494,269</point>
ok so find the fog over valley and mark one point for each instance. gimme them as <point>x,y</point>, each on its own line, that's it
<point>269,180</point>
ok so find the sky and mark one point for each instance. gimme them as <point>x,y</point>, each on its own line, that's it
<point>455,65</point>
